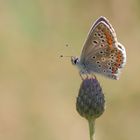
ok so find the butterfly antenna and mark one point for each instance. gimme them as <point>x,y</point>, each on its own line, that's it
<point>64,56</point>
<point>68,46</point>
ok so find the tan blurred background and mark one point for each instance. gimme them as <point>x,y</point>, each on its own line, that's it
<point>38,90</point>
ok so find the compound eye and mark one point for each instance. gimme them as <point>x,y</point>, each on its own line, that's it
<point>75,61</point>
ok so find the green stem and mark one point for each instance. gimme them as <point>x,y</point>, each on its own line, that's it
<point>91,123</point>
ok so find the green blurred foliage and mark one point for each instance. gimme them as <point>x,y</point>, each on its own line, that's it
<point>38,90</point>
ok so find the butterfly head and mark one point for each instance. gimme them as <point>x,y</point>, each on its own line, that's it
<point>74,60</point>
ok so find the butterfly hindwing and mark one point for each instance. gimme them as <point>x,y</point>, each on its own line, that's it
<point>106,62</point>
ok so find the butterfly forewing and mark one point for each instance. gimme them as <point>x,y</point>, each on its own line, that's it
<point>104,20</point>
<point>100,35</point>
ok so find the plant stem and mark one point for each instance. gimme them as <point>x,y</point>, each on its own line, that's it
<point>91,123</point>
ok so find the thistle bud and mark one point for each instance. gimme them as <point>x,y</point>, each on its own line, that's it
<point>90,100</point>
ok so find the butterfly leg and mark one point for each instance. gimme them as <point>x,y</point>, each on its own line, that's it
<point>83,76</point>
<point>88,76</point>
<point>93,76</point>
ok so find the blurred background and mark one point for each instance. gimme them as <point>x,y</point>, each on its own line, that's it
<point>38,90</point>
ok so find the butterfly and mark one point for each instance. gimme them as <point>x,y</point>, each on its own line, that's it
<point>101,52</point>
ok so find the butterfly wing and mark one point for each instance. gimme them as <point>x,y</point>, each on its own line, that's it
<point>101,52</point>
<point>106,62</point>
<point>99,35</point>
<point>104,20</point>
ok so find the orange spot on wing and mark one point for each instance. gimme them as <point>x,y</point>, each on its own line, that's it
<point>119,58</point>
<point>109,39</point>
<point>118,62</point>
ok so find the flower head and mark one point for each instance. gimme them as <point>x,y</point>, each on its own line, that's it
<point>90,100</point>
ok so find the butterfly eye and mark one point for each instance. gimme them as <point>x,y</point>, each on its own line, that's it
<point>99,66</point>
<point>104,71</point>
<point>94,57</point>
<point>75,61</point>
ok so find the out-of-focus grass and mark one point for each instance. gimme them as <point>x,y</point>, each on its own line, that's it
<point>38,89</point>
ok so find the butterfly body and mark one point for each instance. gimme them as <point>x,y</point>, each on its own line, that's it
<point>102,53</point>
